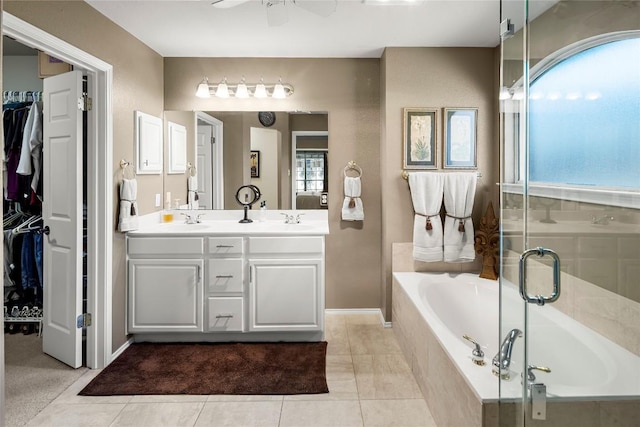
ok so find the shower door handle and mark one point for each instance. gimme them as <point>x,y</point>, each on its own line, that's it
<point>539,299</point>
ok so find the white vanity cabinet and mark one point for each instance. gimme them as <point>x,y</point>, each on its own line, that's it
<point>286,287</point>
<point>225,284</point>
<point>222,286</point>
<point>165,289</point>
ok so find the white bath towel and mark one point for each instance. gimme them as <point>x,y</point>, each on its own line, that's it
<point>426,194</point>
<point>352,208</point>
<point>459,195</point>
<point>192,192</point>
<point>128,205</point>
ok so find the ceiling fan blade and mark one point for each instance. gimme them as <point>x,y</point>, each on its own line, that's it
<point>322,8</point>
<point>276,13</point>
<point>226,4</point>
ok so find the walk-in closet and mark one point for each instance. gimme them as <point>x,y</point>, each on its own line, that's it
<point>32,377</point>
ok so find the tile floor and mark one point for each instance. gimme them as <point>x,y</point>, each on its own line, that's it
<point>370,384</point>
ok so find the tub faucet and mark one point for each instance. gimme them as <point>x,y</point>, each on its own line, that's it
<point>602,220</point>
<point>502,360</point>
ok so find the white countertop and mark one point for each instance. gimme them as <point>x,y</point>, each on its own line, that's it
<point>312,222</point>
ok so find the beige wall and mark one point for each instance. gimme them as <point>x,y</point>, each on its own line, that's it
<point>348,89</point>
<point>137,85</point>
<point>438,78</point>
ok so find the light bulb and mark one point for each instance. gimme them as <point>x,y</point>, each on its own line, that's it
<point>278,91</point>
<point>241,90</point>
<point>261,90</point>
<point>223,90</point>
<point>203,89</point>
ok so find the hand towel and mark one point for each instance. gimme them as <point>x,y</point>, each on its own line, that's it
<point>459,195</point>
<point>128,205</point>
<point>352,208</point>
<point>426,195</point>
<point>192,192</point>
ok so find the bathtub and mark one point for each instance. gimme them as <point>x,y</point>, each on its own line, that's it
<point>584,365</point>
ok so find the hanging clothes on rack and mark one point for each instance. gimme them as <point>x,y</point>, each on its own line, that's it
<point>31,152</point>
<point>23,130</point>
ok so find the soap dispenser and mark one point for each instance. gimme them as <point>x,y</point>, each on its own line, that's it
<point>263,211</point>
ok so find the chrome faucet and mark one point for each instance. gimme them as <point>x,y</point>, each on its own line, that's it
<point>502,360</point>
<point>192,219</point>
<point>291,219</point>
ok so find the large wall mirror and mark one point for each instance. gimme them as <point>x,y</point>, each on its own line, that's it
<point>285,154</point>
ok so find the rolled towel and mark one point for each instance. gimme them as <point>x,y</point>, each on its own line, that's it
<point>459,196</point>
<point>352,208</point>
<point>192,192</point>
<point>128,205</point>
<point>426,195</point>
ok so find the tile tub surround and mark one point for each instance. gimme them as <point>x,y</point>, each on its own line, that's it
<point>442,382</point>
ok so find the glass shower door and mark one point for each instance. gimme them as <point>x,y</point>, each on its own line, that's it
<point>570,213</point>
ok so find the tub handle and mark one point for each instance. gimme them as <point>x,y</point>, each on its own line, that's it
<point>477,353</point>
<point>539,299</point>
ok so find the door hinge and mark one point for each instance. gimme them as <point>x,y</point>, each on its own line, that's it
<point>84,102</point>
<point>213,140</point>
<point>83,320</point>
<point>507,29</point>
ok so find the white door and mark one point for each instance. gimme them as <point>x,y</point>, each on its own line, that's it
<point>62,214</point>
<point>204,165</point>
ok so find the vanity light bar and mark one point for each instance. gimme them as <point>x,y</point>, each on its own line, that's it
<point>223,89</point>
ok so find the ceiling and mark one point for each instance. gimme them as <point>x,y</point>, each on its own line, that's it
<point>356,29</point>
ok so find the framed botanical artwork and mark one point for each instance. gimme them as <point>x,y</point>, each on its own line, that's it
<point>420,132</point>
<point>460,138</point>
<point>254,162</point>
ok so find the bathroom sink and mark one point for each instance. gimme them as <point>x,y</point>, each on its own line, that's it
<point>184,227</point>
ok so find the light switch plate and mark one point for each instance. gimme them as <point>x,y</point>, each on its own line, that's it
<point>157,200</point>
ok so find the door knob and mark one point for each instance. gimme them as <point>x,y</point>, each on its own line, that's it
<point>46,230</point>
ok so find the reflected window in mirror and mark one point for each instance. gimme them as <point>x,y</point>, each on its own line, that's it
<point>311,178</point>
<point>311,171</point>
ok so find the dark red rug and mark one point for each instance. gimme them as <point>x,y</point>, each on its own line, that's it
<point>214,368</point>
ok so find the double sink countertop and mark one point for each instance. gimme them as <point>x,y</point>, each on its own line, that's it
<point>270,222</point>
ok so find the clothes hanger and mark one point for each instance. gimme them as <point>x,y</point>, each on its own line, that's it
<point>26,226</point>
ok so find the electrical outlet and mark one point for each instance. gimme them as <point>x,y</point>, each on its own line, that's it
<point>157,200</point>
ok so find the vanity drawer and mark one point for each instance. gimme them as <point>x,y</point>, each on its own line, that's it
<point>225,245</point>
<point>286,245</point>
<point>169,246</point>
<point>225,314</point>
<point>226,275</point>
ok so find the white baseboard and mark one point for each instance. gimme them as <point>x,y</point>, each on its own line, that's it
<point>360,311</point>
<point>120,350</point>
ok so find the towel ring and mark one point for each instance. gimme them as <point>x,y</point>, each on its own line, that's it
<point>126,165</point>
<point>352,166</point>
<point>191,169</point>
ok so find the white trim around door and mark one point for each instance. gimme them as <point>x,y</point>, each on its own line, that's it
<point>100,181</point>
